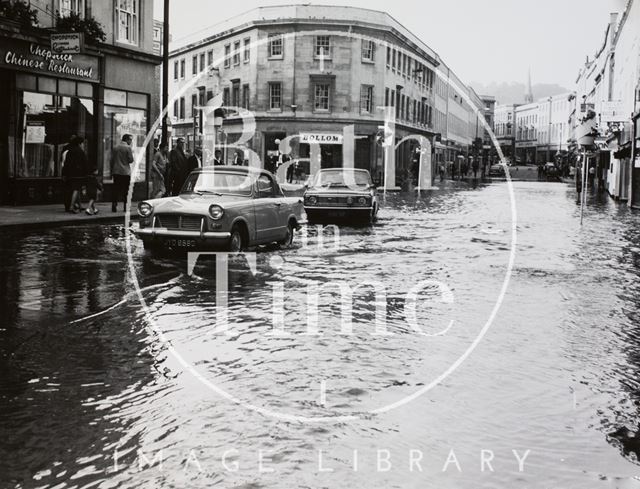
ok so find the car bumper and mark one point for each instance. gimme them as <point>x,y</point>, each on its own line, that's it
<point>183,239</point>
<point>335,211</point>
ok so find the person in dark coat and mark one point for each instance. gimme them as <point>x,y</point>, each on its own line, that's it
<point>176,168</point>
<point>193,162</point>
<point>77,168</point>
<point>67,187</point>
<point>217,157</point>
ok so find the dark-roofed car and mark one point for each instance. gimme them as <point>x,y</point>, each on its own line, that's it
<point>221,207</point>
<point>343,193</point>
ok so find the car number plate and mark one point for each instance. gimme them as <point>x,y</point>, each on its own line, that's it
<point>180,243</point>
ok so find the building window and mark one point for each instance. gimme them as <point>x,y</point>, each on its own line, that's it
<point>276,48</point>
<point>182,110</point>
<point>201,61</point>
<point>227,56</point>
<point>176,108</point>
<point>388,56</point>
<point>366,98</point>
<point>176,70</point>
<point>386,97</point>
<point>368,50</point>
<point>393,59</point>
<point>194,105</point>
<point>127,13</point>
<point>182,68</point>
<point>226,95</point>
<point>210,62</point>
<point>323,47</point>
<point>194,65</point>
<point>235,94</point>
<point>245,96</point>
<point>236,53</point>
<point>247,52</point>
<point>275,96</point>
<point>321,96</point>
<point>68,7</point>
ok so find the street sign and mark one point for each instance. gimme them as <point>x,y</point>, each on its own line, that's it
<point>68,43</point>
<point>614,111</point>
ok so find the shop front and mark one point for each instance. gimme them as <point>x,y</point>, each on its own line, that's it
<point>47,98</point>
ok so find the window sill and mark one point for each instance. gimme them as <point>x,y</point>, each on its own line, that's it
<point>275,58</point>
<point>274,111</point>
<point>368,61</point>
<point>322,58</point>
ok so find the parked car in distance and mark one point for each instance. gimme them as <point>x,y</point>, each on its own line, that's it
<point>342,193</point>
<point>551,171</point>
<point>221,207</point>
<point>497,170</point>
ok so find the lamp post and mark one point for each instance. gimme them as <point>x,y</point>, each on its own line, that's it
<point>165,71</point>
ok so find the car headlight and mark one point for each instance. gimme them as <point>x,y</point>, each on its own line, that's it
<point>313,200</point>
<point>350,200</point>
<point>145,209</point>
<point>362,200</point>
<point>216,212</point>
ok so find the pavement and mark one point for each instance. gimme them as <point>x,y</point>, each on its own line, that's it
<point>34,216</point>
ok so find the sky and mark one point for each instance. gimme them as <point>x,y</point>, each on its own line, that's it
<point>481,40</point>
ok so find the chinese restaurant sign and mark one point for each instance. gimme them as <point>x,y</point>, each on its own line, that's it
<point>42,60</point>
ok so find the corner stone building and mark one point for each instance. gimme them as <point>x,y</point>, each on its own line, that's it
<point>107,90</point>
<point>309,71</point>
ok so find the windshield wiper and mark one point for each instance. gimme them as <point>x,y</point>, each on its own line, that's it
<point>208,192</point>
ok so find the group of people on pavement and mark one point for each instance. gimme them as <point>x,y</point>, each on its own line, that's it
<point>78,171</point>
<point>169,171</point>
<point>459,170</point>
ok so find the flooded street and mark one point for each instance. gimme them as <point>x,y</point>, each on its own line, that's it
<point>98,390</point>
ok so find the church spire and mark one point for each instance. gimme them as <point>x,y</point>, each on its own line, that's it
<point>528,96</point>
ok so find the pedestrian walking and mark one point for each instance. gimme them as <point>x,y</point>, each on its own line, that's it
<point>176,167</point>
<point>475,166</point>
<point>93,184</point>
<point>77,168</point>
<point>121,160</point>
<point>67,188</point>
<point>158,171</point>
<point>592,176</point>
<point>442,171</point>
<point>578,181</point>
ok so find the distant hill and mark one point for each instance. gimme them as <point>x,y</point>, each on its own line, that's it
<point>513,92</point>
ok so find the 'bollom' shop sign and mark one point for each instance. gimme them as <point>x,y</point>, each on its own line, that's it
<point>39,59</point>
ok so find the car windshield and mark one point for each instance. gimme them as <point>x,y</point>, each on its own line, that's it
<point>218,183</point>
<point>341,178</point>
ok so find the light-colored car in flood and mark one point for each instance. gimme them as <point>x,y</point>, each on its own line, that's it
<point>221,207</point>
<point>341,193</point>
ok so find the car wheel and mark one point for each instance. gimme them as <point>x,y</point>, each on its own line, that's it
<point>236,242</point>
<point>288,240</point>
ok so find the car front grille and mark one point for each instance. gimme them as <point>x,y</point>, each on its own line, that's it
<point>187,222</point>
<point>339,201</point>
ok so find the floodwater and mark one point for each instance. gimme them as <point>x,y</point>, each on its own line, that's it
<point>103,385</point>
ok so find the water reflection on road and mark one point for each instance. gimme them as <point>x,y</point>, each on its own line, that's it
<point>86,383</point>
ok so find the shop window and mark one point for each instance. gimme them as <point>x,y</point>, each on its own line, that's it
<point>48,122</point>
<point>127,14</point>
<point>118,121</point>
